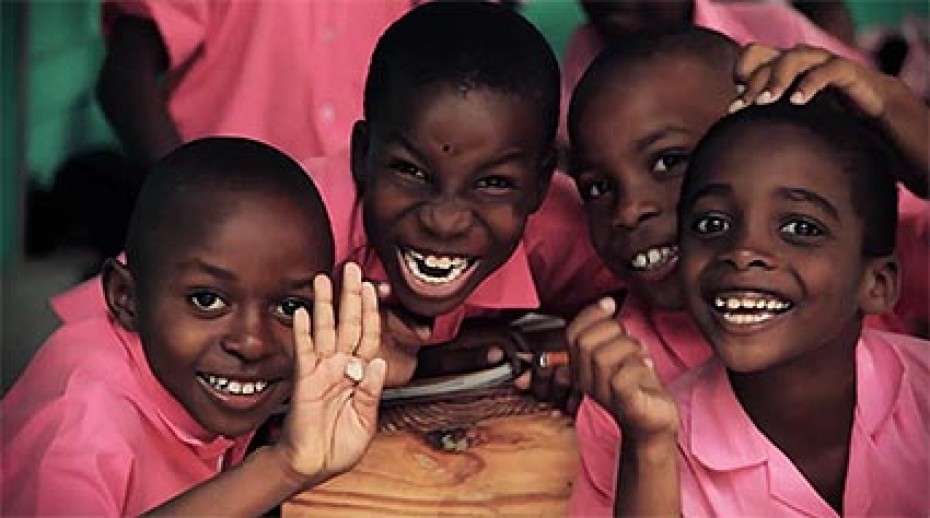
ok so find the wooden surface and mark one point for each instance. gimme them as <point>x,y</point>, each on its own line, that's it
<point>519,466</point>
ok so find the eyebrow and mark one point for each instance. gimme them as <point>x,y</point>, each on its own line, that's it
<point>222,273</point>
<point>656,135</point>
<point>788,193</point>
<point>794,194</point>
<point>507,156</point>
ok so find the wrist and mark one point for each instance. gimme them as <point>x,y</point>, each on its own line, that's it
<point>292,479</point>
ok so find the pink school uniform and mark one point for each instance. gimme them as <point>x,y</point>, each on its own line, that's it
<point>746,22</point>
<point>677,346</point>
<point>290,73</point>
<point>731,469</point>
<point>88,430</point>
<point>554,267</point>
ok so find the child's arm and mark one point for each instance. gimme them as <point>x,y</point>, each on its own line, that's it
<point>768,73</point>
<point>615,371</point>
<point>331,420</point>
<point>130,92</point>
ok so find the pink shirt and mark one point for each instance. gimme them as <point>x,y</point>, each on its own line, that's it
<point>676,346</point>
<point>745,22</point>
<point>287,72</point>
<point>731,469</point>
<point>554,267</point>
<point>89,430</point>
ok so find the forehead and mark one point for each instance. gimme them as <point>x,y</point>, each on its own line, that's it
<point>767,157</point>
<point>246,222</point>
<point>476,118</point>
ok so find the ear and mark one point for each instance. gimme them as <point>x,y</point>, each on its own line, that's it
<point>119,290</point>
<point>881,284</point>
<point>361,142</point>
<point>547,164</point>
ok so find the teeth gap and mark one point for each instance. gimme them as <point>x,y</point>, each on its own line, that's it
<point>749,310</point>
<point>653,258</point>
<point>432,269</point>
<point>239,388</point>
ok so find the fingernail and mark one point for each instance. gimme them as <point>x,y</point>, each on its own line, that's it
<point>495,354</point>
<point>765,97</point>
<point>384,289</point>
<point>607,304</point>
<point>736,106</point>
<point>740,88</point>
<point>797,97</point>
<point>423,332</point>
<point>649,363</point>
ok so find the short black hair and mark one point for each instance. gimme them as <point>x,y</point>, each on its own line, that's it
<point>468,45</point>
<point>191,176</point>
<point>861,152</point>
<point>715,50</point>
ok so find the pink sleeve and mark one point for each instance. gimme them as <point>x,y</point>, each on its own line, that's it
<point>567,271</point>
<point>598,442</point>
<point>181,23</point>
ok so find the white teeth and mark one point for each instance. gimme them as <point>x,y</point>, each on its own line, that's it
<point>246,388</point>
<point>453,267</point>
<point>653,257</point>
<point>763,309</point>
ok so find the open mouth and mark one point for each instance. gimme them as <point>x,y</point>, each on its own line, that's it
<point>237,394</point>
<point>749,308</point>
<point>654,258</point>
<point>433,274</point>
<point>233,387</point>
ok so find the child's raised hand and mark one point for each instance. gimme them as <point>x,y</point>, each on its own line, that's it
<point>338,381</point>
<point>615,370</point>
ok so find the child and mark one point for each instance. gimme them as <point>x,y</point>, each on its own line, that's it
<point>178,70</point>
<point>788,230</point>
<point>633,129</point>
<point>609,23</point>
<point>449,195</point>
<point>151,408</point>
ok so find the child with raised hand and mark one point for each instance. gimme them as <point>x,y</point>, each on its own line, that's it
<point>448,195</point>
<point>634,121</point>
<point>787,227</point>
<point>149,409</point>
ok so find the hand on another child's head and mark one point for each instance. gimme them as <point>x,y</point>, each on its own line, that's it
<point>765,74</point>
<point>338,381</point>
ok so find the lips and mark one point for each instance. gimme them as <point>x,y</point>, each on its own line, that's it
<point>434,275</point>
<point>237,394</point>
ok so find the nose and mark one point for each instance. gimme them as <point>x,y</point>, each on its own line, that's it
<point>250,339</point>
<point>635,205</point>
<point>446,217</point>
<point>748,252</point>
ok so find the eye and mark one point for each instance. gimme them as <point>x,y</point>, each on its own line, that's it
<point>287,307</point>
<point>710,224</point>
<point>592,189</point>
<point>409,170</point>
<point>496,184</point>
<point>205,300</point>
<point>802,228</point>
<point>670,162</point>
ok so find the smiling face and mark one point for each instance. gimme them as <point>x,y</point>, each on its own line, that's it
<point>215,309</point>
<point>634,137</point>
<point>447,191</point>
<point>772,248</point>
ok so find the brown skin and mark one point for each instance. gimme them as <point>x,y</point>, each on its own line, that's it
<point>130,90</point>
<point>204,307</point>
<point>745,236</point>
<point>616,19</point>
<point>449,172</point>
<point>630,153</point>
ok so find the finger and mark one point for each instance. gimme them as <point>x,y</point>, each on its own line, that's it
<point>367,395</point>
<point>607,358</point>
<point>630,381</point>
<point>350,309</point>
<point>845,76</point>
<point>591,351</point>
<point>324,320</point>
<point>441,359</point>
<point>370,342</point>
<point>751,58</point>
<point>524,381</point>
<point>304,354</point>
<point>787,68</point>
<point>383,289</point>
<point>588,316</point>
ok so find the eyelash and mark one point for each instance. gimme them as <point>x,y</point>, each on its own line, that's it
<point>678,161</point>
<point>408,170</point>
<point>704,219</point>
<point>587,186</point>
<point>205,306</point>
<point>287,307</point>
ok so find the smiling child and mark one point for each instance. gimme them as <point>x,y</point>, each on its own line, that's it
<point>150,408</point>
